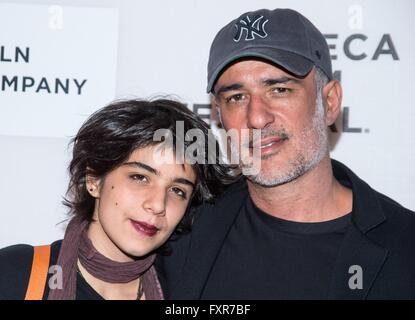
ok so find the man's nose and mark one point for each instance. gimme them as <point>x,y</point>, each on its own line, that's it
<point>259,115</point>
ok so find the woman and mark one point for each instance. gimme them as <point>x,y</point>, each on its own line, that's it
<point>127,194</point>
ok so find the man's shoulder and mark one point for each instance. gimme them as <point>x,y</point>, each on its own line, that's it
<point>393,206</point>
<point>213,210</point>
<point>207,217</point>
<point>395,213</point>
<point>222,208</point>
<point>237,190</point>
<point>370,199</point>
<point>15,267</point>
<point>396,234</point>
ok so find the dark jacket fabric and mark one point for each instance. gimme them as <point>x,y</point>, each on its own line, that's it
<point>16,265</point>
<point>380,240</point>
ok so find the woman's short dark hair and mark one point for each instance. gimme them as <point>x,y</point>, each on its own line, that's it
<point>111,134</point>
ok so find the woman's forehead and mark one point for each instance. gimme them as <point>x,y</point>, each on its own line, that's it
<point>162,160</point>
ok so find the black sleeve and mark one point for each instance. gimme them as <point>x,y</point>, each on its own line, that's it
<point>15,267</point>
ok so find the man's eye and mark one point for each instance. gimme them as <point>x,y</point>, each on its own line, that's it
<point>139,177</point>
<point>281,90</point>
<point>235,97</point>
<point>179,192</point>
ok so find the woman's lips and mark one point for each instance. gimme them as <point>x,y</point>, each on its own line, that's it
<point>144,228</point>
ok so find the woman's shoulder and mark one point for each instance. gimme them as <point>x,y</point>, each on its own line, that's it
<point>15,268</point>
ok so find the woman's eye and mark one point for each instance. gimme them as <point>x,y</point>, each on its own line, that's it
<point>179,192</point>
<point>139,177</point>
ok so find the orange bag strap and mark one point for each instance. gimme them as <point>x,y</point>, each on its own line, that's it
<point>39,273</point>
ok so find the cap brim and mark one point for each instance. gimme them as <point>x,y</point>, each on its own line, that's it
<point>292,62</point>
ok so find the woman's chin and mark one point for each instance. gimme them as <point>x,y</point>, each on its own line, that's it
<point>138,252</point>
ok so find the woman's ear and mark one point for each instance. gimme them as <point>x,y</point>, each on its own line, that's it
<point>93,185</point>
<point>332,95</point>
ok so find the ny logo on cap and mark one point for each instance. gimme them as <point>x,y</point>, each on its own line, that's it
<point>252,28</point>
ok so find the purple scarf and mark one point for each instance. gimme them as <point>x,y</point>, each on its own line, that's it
<point>76,245</point>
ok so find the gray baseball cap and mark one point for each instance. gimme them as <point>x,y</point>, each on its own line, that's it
<point>282,36</point>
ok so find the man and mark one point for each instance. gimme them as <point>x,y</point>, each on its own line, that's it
<point>304,226</point>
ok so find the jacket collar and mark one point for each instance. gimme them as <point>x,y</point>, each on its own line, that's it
<point>367,211</point>
<point>358,253</point>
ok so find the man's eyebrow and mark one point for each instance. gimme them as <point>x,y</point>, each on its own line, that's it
<point>141,165</point>
<point>267,82</point>
<point>231,87</point>
<point>270,82</point>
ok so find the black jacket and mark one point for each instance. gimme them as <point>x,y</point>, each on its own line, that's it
<point>381,240</point>
<point>16,265</point>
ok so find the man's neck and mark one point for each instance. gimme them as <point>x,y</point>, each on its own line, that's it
<point>314,197</point>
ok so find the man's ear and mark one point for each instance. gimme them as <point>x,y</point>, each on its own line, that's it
<point>332,96</point>
<point>214,101</point>
<point>93,185</point>
<point>215,112</point>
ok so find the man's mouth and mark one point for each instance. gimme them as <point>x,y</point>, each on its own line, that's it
<point>269,142</point>
<point>268,145</point>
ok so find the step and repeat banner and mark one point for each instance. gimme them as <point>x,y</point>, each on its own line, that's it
<point>57,65</point>
<point>62,60</point>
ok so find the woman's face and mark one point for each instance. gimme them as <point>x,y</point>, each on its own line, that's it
<point>140,203</point>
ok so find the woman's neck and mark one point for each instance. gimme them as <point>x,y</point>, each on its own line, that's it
<point>104,245</point>
<point>112,291</point>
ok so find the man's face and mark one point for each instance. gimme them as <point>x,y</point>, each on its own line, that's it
<point>252,94</point>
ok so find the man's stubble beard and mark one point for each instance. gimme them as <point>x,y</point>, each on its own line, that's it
<point>312,148</point>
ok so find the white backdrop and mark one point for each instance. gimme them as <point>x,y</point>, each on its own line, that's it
<point>156,47</point>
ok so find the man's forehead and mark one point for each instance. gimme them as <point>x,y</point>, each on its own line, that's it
<point>253,63</point>
<point>254,70</point>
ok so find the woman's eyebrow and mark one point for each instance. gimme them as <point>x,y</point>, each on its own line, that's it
<point>137,164</point>
<point>184,181</point>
